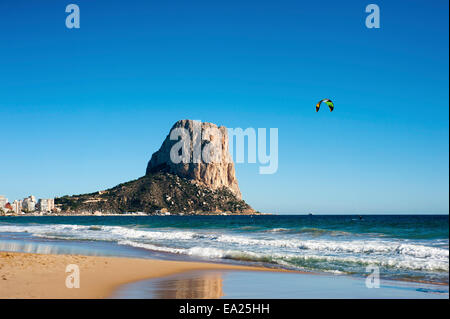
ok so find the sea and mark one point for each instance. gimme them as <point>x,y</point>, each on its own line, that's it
<point>411,248</point>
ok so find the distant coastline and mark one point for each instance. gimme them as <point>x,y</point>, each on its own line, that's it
<point>87,214</point>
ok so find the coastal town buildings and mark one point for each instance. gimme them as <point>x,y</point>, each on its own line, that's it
<point>27,205</point>
<point>46,205</point>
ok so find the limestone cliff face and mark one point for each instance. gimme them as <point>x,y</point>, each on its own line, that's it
<point>197,178</point>
<point>204,152</point>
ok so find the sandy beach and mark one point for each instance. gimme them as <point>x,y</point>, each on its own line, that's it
<point>27,275</point>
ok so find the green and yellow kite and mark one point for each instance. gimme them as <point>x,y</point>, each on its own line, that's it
<point>329,103</point>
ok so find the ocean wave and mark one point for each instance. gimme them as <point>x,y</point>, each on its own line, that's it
<point>309,231</point>
<point>249,228</point>
<point>353,246</point>
<point>95,232</point>
<point>310,262</point>
<point>278,230</point>
<point>206,252</point>
<point>277,248</point>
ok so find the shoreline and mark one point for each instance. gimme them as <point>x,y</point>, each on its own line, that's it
<point>42,276</point>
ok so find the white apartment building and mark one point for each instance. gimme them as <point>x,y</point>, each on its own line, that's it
<point>17,206</point>
<point>3,201</point>
<point>46,204</point>
<point>29,204</point>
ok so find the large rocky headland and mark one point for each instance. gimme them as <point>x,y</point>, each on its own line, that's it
<point>192,186</point>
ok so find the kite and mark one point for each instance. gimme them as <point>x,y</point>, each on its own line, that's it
<point>329,103</point>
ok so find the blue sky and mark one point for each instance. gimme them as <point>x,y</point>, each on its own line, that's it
<point>84,109</point>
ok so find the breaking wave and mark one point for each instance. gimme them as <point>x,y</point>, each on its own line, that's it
<point>278,246</point>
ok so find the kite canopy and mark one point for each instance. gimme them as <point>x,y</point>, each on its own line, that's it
<point>329,103</point>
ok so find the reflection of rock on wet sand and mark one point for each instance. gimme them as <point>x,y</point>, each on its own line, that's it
<point>198,286</point>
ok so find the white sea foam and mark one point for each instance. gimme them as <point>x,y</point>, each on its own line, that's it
<point>292,260</point>
<point>99,233</point>
<point>276,230</point>
<point>353,246</point>
<point>206,252</point>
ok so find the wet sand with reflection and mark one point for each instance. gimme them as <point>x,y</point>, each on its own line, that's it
<point>216,284</point>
